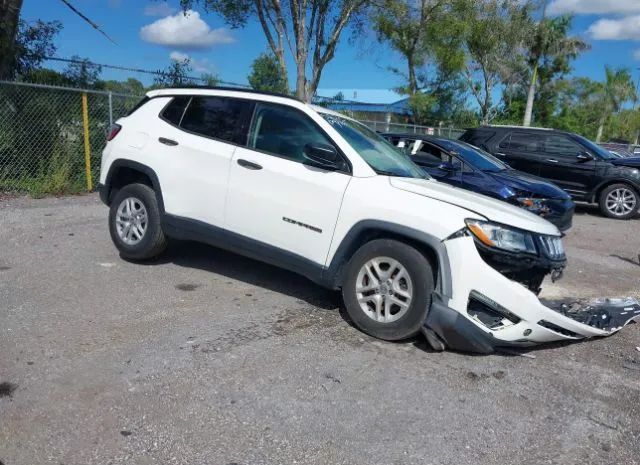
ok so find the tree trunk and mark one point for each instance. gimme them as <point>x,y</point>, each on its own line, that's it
<point>530,98</point>
<point>301,81</point>
<point>9,19</point>
<point>600,129</point>
<point>413,81</point>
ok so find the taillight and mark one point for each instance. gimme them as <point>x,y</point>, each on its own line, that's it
<point>113,131</point>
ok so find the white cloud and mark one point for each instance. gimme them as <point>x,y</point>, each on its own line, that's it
<point>627,28</point>
<point>159,9</point>
<point>594,6</point>
<point>199,66</point>
<point>179,56</point>
<point>184,31</point>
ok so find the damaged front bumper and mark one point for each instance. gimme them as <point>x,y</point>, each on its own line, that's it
<point>487,310</point>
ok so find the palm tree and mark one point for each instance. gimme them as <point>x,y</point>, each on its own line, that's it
<point>550,43</point>
<point>617,89</point>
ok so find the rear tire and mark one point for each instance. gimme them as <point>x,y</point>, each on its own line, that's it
<point>619,201</point>
<point>134,223</point>
<point>387,289</point>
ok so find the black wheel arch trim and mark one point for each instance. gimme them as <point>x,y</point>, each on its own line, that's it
<point>105,190</point>
<point>357,236</point>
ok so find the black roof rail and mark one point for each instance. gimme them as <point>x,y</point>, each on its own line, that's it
<point>234,89</point>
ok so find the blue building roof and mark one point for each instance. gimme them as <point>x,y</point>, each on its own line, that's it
<point>401,107</point>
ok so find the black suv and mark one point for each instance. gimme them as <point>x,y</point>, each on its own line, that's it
<point>588,172</point>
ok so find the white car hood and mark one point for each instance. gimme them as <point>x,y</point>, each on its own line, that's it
<point>494,210</point>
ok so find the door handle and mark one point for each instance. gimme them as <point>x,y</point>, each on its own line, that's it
<point>249,165</point>
<point>166,141</point>
<point>552,160</point>
<point>500,154</point>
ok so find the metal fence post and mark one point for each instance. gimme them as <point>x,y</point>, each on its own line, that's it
<point>110,108</point>
<point>87,145</point>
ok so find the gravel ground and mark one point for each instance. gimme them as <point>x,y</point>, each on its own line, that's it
<point>204,357</point>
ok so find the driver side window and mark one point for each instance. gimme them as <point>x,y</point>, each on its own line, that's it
<point>282,131</point>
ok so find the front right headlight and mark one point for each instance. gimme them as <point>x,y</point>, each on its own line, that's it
<point>502,237</point>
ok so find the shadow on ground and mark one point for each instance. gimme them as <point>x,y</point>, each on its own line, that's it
<point>220,262</point>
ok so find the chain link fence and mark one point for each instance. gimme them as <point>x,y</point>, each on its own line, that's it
<point>51,137</point>
<point>401,128</point>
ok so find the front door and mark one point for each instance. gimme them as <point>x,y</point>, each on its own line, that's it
<point>273,196</point>
<point>562,166</point>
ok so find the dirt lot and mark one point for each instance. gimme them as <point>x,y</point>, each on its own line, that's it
<point>205,357</point>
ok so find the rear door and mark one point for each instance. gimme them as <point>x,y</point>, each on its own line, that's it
<point>273,196</point>
<point>561,165</point>
<point>198,155</point>
<point>522,151</point>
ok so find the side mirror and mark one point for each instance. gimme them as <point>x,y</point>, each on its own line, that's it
<point>447,166</point>
<point>584,156</point>
<point>322,156</point>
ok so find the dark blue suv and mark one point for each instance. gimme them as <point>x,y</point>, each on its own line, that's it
<point>463,165</point>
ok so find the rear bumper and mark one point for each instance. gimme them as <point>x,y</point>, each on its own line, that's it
<point>523,320</point>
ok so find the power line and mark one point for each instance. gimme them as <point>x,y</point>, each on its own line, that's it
<point>91,23</point>
<point>135,70</point>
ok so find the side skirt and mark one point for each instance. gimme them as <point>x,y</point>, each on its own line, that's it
<point>192,230</point>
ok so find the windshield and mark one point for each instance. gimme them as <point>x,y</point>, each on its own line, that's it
<point>474,156</point>
<point>379,154</point>
<point>600,151</point>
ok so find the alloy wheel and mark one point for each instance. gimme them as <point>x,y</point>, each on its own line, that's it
<point>384,289</point>
<point>131,221</point>
<point>621,201</point>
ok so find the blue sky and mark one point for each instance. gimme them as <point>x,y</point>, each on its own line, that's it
<point>612,27</point>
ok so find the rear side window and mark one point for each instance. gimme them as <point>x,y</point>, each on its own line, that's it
<point>217,117</point>
<point>477,138</point>
<point>284,131</point>
<point>175,109</point>
<point>522,142</point>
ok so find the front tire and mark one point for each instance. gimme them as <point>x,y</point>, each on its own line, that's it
<point>387,289</point>
<point>134,223</point>
<point>619,201</point>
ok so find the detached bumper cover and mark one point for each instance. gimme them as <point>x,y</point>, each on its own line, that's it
<point>514,317</point>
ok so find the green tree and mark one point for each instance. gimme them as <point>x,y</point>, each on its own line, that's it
<point>265,75</point>
<point>617,89</point>
<point>131,86</point>
<point>549,55</point>
<point>9,27</point>
<point>82,73</point>
<point>310,29</point>
<point>174,75</point>
<point>493,41</point>
<point>210,79</point>
<point>34,43</point>
<point>408,28</point>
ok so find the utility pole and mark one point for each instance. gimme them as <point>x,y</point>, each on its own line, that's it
<point>635,103</point>
<point>528,112</point>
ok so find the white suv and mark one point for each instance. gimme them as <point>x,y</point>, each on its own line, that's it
<point>320,194</point>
